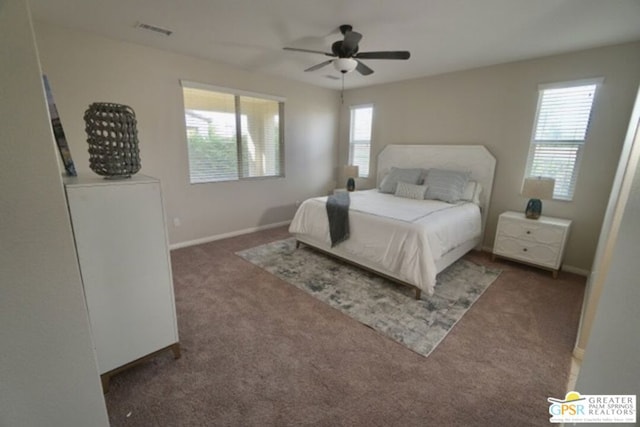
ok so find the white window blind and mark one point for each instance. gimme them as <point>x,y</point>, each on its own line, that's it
<point>559,133</point>
<point>260,136</point>
<point>231,136</point>
<point>360,138</point>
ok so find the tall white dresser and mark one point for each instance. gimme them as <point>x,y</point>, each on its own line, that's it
<point>121,239</point>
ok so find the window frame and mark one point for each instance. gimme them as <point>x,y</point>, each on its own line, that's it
<point>352,110</point>
<point>238,94</point>
<point>579,144</point>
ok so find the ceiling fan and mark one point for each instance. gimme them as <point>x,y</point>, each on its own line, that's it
<point>346,55</point>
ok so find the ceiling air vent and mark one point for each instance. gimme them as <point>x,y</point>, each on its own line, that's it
<point>153,28</point>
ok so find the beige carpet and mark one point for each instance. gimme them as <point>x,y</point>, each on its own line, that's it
<point>257,351</point>
<point>387,307</point>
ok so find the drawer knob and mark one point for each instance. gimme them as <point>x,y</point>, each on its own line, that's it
<point>528,231</point>
<point>525,249</point>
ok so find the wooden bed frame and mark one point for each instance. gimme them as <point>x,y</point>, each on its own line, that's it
<point>475,159</point>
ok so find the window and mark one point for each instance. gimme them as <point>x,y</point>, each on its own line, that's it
<point>231,135</point>
<point>559,133</point>
<point>360,138</point>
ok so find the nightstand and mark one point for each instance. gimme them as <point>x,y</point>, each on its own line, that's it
<point>539,242</point>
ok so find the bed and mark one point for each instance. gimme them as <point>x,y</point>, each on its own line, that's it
<point>406,240</point>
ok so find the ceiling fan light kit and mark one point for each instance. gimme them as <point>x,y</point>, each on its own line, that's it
<point>347,57</point>
<point>345,65</point>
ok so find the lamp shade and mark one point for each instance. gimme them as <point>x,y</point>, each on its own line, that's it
<point>538,187</point>
<point>345,65</point>
<point>350,171</point>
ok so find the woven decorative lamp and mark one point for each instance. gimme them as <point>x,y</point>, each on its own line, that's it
<point>537,188</point>
<point>351,172</point>
<point>113,140</point>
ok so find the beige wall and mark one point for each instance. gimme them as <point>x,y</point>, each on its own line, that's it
<point>495,106</point>
<point>84,68</point>
<point>48,371</point>
<point>610,364</point>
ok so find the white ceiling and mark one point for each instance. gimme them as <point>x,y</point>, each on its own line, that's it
<point>442,35</point>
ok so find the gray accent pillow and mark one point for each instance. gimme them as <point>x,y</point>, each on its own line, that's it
<point>411,191</point>
<point>390,182</point>
<point>446,185</point>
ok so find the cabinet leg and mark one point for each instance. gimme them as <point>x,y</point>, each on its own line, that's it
<point>176,351</point>
<point>555,274</point>
<point>418,293</point>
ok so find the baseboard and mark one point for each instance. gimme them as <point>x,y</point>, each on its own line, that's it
<point>226,235</point>
<point>578,353</point>
<point>576,270</point>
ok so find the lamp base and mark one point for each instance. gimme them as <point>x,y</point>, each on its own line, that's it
<point>351,184</point>
<point>534,209</point>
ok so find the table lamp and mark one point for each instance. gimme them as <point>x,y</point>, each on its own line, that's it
<point>537,188</point>
<point>351,172</point>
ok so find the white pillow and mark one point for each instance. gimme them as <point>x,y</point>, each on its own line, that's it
<point>476,194</point>
<point>410,191</point>
<point>472,192</point>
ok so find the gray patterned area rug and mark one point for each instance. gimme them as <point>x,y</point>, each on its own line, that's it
<point>387,307</point>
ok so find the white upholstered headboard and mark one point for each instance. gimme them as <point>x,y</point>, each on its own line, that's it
<point>475,159</point>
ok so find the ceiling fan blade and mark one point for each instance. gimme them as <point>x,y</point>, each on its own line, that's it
<point>391,54</point>
<point>363,69</point>
<point>350,43</point>
<point>320,65</point>
<point>308,51</point>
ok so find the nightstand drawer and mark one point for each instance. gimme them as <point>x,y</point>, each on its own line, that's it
<point>532,231</point>
<point>532,252</point>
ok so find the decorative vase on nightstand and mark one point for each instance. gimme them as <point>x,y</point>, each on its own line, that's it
<point>351,171</point>
<point>113,140</point>
<point>534,209</point>
<point>351,184</point>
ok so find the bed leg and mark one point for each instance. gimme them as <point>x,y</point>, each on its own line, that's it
<point>418,293</point>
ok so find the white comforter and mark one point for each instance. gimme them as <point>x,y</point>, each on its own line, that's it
<point>403,237</point>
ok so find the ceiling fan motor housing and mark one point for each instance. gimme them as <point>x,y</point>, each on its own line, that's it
<point>338,49</point>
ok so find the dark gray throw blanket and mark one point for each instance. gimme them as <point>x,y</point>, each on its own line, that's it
<point>338,214</point>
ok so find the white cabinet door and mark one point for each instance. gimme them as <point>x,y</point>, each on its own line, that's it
<point>121,240</point>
